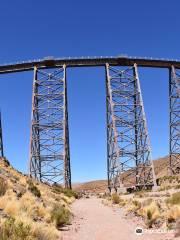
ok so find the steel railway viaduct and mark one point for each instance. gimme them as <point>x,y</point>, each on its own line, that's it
<point>129,160</point>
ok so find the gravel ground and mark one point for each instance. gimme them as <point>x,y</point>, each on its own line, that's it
<point>94,221</point>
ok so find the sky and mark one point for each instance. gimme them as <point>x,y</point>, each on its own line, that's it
<point>36,29</point>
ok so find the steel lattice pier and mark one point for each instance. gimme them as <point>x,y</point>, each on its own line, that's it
<point>174,96</point>
<point>128,147</point>
<point>49,143</point>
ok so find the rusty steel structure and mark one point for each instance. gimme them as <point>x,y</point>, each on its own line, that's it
<point>49,143</point>
<point>174,97</point>
<point>128,145</point>
<point>129,160</point>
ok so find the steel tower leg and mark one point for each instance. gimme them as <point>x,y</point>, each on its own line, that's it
<point>49,140</point>
<point>128,147</point>
<point>174,97</point>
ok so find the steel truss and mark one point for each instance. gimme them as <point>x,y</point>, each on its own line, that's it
<point>49,143</point>
<point>174,96</point>
<point>128,147</point>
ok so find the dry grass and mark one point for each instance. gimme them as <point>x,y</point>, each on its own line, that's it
<point>26,229</point>
<point>3,186</point>
<point>115,198</point>
<point>30,203</point>
<point>148,209</point>
<point>151,214</point>
<point>133,206</point>
<point>173,213</point>
<point>174,199</point>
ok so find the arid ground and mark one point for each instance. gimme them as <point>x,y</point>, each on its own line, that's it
<point>95,221</point>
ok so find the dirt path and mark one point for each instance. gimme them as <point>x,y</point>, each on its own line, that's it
<point>94,221</point>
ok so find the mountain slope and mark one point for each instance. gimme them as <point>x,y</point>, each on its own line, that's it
<point>30,210</point>
<point>160,166</point>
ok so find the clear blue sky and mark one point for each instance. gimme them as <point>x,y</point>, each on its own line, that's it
<point>35,29</point>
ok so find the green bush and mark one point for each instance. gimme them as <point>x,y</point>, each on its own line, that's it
<point>115,198</point>
<point>10,230</point>
<point>174,199</point>
<point>60,215</point>
<point>32,188</point>
<point>3,186</point>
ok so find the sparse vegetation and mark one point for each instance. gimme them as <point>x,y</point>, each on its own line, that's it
<point>115,198</point>
<point>32,188</point>
<point>60,216</point>
<point>6,162</point>
<point>14,231</point>
<point>150,212</point>
<point>66,191</point>
<point>173,213</point>
<point>28,209</point>
<point>149,218</point>
<point>3,186</point>
<point>136,203</point>
<point>174,199</point>
<point>164,188</point>
<point>140,194</point>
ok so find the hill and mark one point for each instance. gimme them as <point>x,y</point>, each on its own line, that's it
<point>160,166</point>
<point>30,210</point>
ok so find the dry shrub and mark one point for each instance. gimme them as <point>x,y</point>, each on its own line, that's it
<point>41,210</point>
<point>3,187</point>
<point>133,206</point>
<point>164,188</point>
<point>115,198</point>
<point>140,194</point>
<point>3,202</point>
<point>32,188</point>
<point>66,191</point>
<point>173,214</point>
<point>60,215</point>
<point>12,208</point>
<point>151,213</point>
<point>174,199</point>
<point>43,232</point>
<point>27,201</point>
<point>25,229</point>
<point>14,230</point>
<point>33,208</point>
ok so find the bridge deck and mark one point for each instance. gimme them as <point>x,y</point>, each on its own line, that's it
<point>88,61</point>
